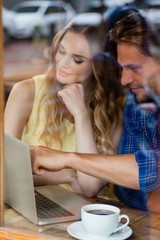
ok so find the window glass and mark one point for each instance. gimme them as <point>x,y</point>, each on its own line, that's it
<point>29,9</point>
<point>54,9</point>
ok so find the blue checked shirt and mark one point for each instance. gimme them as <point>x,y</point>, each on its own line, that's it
<point>140,137</point>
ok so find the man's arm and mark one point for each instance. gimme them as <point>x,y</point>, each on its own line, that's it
<point>118,169</point>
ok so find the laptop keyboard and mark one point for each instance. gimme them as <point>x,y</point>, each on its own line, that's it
<point>49,209</point>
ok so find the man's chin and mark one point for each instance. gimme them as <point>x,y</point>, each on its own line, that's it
<point>142,98</point>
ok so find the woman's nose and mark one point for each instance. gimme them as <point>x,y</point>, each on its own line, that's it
<point>64,61</point>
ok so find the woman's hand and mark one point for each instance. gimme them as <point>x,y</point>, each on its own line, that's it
<point>73,97</point>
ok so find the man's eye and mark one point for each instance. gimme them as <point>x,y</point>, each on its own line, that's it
<point>134,69</point>
<point>137,70</point>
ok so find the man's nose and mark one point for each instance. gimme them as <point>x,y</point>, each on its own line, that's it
<point>126,77</point>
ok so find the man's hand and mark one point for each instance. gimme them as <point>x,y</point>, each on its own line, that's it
<point>45,159</point>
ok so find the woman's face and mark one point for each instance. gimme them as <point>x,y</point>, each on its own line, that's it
<point>72,58</point>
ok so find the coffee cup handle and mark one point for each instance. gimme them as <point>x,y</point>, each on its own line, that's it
<point>125,224</point>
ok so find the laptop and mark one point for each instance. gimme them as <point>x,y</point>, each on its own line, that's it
<point>58,204</point>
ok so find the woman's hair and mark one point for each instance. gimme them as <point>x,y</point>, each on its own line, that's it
<point>104,91</point>
<point>107,101</point>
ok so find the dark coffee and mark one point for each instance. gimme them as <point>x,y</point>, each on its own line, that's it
<point>101,212</point>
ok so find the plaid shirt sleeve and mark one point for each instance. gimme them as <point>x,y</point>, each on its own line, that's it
<point>140,137</point>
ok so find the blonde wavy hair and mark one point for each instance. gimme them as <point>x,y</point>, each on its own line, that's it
<point>103,100</point>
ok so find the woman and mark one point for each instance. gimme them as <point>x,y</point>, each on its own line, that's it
<point>75,106</point>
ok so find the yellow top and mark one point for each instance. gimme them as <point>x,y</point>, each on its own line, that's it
<point>35,124</point>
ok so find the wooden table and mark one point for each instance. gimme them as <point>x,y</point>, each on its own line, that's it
<point>145,225</point>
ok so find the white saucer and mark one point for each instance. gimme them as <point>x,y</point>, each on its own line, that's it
<point>77,231</point>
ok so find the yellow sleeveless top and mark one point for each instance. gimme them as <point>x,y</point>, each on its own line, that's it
<point>37,120</point>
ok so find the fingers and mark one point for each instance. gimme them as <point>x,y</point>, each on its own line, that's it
<point>61,94</point>
<point>36,166</point>
<point>38,171</point>
<point>71,91</point>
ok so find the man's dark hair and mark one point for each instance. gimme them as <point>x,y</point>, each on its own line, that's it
<point>116,15</point>
<point>133,29</point>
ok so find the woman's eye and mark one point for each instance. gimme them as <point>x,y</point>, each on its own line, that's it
<point>78,61</point>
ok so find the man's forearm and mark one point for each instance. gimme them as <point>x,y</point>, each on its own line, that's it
<point>118,169</point>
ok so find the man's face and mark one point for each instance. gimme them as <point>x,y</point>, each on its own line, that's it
<point>154,83</point>
<point>137,69</point>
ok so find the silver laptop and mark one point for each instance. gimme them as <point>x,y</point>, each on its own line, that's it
<point>41,205</point>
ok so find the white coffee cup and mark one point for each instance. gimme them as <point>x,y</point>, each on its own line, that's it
<point>101,220</point>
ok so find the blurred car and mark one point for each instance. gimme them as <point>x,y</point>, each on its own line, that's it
<point>35,18</point>
<point>7,19</point>
<point>99,10</point>
<point>151,11</point>
<point>103,6</point>
<point>88,18</point>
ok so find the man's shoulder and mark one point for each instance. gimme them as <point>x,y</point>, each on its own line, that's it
<point>137,111</point>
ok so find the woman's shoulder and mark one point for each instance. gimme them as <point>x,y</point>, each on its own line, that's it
<point>25,87</point>
<point>22,95</point>
<point>28,85</point>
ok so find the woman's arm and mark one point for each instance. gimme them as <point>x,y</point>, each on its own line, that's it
<point>17,112</point>
<point>86,144</point>
<point>73,97</point>
<point>18,107</point>
<point>64,176</point>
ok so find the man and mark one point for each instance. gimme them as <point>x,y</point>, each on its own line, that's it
<point>136,169</point>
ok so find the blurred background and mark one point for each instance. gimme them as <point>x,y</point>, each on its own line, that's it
<point>29,27</point>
